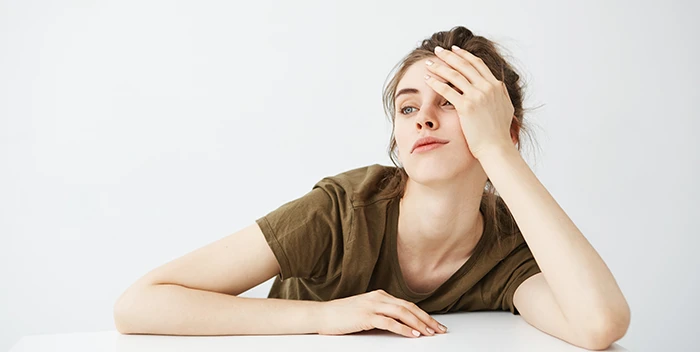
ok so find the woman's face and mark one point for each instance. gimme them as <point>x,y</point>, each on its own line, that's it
<point>423,112</point>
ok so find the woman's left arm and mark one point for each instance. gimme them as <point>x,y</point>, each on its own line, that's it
<point>575,297</point>
<point>584,290</point>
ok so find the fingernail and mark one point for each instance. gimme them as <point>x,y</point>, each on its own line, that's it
<point>430,331</point>
<point>428,62</point>
<point>438,49</point>
<point>442,327</point>
<point>416,333</point>
<point>454,47</point>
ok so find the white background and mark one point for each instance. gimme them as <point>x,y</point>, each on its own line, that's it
<point>133,132</point>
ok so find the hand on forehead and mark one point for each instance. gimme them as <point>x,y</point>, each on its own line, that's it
<point>415,75</point>
<point>436,60</point>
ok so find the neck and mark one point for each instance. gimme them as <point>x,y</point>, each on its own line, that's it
<point>440,223</point>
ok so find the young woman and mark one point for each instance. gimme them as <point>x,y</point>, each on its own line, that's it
<point>382,247</point>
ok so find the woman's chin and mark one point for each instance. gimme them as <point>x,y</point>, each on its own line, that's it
<point>430,170</point>
<point>426,172</point>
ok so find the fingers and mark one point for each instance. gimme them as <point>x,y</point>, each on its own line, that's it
<point>449,74</point>
<point>465,65</point>
<point>459,77</point>
<point>429,321</point>
<point>384,323</point>
<point>443,89</point>
<point>409,313</point>
<point>476,62</point>
<point>406,316</point>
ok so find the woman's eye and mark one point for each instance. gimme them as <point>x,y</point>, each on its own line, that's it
<point>403,110</point>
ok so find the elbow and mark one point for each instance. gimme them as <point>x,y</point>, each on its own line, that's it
<point>119,316</point>
<point>606,331</point>
<point>130,309</point>
<point>122,313</point>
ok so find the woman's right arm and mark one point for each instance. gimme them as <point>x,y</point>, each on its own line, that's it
<point>196,294</point>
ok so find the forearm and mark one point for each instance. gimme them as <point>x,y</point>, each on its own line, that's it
<point>178,310</point>
<point>581,282</point>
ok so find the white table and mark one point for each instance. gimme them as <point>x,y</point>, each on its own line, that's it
<point>472,331</point>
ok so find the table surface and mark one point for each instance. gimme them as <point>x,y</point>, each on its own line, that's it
<point>467,331</point>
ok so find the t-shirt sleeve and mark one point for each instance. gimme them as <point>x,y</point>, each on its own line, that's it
<point>517,267</point>
<point>301,232</point>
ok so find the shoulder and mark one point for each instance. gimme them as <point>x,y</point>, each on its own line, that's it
<point>364,185</point>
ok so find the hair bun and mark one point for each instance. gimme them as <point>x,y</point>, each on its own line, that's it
<point>459,36</point>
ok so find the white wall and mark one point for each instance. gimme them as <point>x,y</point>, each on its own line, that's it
<point>132,132</point>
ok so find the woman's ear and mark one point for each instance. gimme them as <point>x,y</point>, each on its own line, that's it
<point>514,131</point>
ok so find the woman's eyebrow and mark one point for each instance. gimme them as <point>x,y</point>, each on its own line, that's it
<point>406,91</point>
<point>415,91</point>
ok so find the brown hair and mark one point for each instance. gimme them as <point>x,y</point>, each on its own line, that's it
<point>490,53</point>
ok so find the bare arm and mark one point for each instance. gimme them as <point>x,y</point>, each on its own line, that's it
<point>176,310</point>
<point>197,294</point>
<point>586,297</point>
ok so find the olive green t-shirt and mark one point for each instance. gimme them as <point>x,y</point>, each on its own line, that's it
<point>339,240</point>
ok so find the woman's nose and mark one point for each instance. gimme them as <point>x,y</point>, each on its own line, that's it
<point>427,119</point>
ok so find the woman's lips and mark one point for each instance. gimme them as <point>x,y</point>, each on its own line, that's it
<point>427,147</point>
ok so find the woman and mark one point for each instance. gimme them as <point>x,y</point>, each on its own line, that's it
<point>382,247</point>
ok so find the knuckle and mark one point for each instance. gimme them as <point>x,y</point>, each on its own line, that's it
<point>454,75</point>
<point>410,306</point>
<point>403,329</point>
<point>376,321</point>
<point>399,309</point>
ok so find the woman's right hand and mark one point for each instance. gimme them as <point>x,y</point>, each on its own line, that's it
<point>376,310</point>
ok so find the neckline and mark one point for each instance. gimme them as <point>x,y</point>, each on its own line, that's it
<point>394,212</point>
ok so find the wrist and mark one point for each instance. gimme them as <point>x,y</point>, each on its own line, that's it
<point>495,151</point>
<point>316,316</point>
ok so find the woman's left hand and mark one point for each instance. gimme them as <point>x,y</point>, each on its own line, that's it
<point>483,105</point>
